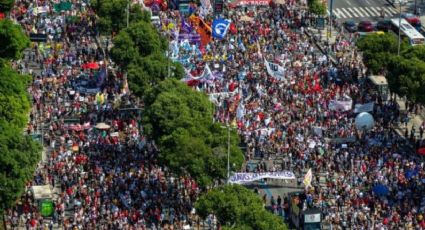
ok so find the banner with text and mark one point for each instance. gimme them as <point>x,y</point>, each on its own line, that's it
<point>240,178</point>
<point>274,70</point>
<point>360,108</point>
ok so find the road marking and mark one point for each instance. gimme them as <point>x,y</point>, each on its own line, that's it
<point>362,10</point>
<point>357,11</point>
<point>390,11</point>
<point>375,11</point>
<point>394,11</point>
<point>346,12</point>
<point>368,11</point>
<point>336,13</point>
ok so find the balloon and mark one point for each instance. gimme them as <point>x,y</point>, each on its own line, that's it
<point>364,121</point>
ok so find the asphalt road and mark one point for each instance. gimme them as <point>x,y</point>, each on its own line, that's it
<point>359,10</point>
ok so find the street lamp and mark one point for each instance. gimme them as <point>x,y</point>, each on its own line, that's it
<point>399,26</point>
<point>228,150</point>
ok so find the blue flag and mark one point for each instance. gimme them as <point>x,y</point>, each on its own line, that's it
<point>186,27</point>
<point>220,28</point>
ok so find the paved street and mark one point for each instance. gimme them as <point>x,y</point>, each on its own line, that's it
<point>359,10</point>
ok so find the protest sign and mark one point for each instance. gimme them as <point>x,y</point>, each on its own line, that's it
<point>360,108</point>
<point>240,178</point>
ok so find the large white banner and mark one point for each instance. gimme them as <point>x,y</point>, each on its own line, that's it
<point>240,178</point>
<point>275,70</point>
<point>341,105</point>
<point>360,108</point>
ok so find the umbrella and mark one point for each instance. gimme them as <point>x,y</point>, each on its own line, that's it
<point>102,126</point>
<point>380,190</point>
<point>91,65</point>
<point>421,151</point>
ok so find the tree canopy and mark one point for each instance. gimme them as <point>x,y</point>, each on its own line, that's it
<point>180,119</point>
<point>6,5</point>
<point>405,73</point>
<point>236,207</point>
<point>13,40</point>
<point>317,7</point>
<point>113,14</point>
<point>20,154</point>
<point>140,50</point>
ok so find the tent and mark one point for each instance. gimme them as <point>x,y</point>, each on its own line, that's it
<point>41,192</point>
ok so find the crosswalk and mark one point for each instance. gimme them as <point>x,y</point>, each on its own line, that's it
<point>363,12</point>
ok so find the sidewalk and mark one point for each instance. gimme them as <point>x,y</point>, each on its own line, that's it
<point>323,37</point>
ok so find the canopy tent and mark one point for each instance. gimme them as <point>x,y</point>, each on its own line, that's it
<point>41,192</point>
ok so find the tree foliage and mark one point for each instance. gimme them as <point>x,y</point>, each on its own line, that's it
<point>20,154</point>
<point>317,7</point>
<point>13,40</point>
<point>113,14</point>
<point>180,119</point>
<point>405,73</point>
<point>6,5</point>
<point>237,208</point>
<point>140,50</point>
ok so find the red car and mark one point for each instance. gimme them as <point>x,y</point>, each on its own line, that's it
<point>365,26</point>
<point>412,19</point>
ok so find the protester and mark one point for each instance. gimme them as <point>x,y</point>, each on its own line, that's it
<point>291,104</point>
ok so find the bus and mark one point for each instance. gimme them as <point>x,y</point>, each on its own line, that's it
<point>415,38</point>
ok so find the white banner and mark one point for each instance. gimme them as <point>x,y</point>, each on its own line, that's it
<point>343,105</point>
<point>360,108</point>
<point>275,70</point>
<point>240,178</point>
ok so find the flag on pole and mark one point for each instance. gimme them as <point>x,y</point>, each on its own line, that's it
<point>308,178</point>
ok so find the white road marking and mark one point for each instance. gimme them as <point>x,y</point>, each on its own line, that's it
<point>357,11</point>
<point>369,11</point>
<point>346,12</point>
<point>338,13</point>
<point>377,12</point>
<point>363,10</point>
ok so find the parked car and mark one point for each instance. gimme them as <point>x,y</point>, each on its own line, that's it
<point>412,19</point>
<point>365,26</point>
<point>350,26</point>
<point>384,25</point>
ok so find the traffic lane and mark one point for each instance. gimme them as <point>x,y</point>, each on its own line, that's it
<point>360,3</point>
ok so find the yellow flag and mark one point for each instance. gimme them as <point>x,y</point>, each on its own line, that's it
<point>308,178</point>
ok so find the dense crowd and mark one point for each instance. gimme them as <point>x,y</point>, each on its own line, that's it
<point>103,169</point>
<point>107,170</point>
<point>290,119</point>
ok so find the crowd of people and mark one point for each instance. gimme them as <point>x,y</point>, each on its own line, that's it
<point>292,119</point>
<point>106,170</point>
<point>103,171</point>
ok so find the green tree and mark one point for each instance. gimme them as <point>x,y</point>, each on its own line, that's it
<point>317,7</point>
<point>20,154</point>
<point>113,14</point>
<point>407,77</point>
<point>14,99</point>
<point>378,49</point>
<point>236,207</point>
<point>6,5</point>
<point>415,52</point>
<point>13,40</point>
<point>180,119</point>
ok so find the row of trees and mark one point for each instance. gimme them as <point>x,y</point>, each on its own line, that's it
<point>180,119</point>
<point>19,153</point>
<point>405,72</point>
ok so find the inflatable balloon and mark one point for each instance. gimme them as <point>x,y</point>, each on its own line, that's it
<point>364,121</point>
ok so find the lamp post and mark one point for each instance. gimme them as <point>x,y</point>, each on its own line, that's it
<point>128,13</point>
<point>228,152</point>
<point>399,27</point>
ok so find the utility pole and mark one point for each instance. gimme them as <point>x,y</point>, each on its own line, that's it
<point>228,152</point>
<point>399,27</point>
<point>330,21</point>
<point>128,13</point>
